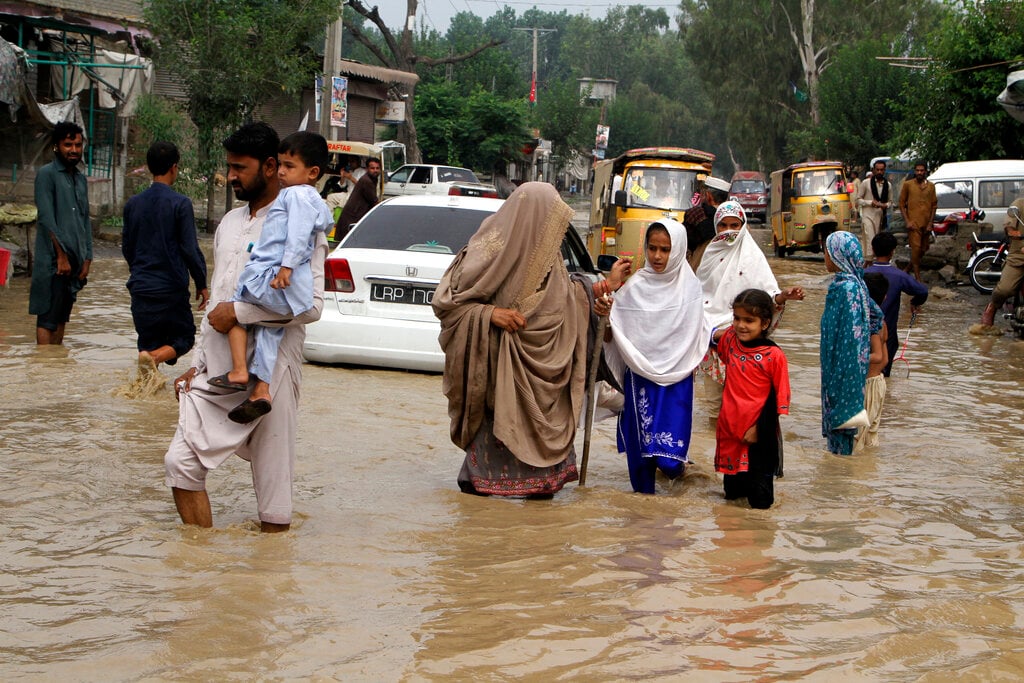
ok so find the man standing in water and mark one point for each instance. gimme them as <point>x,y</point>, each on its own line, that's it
<point>63,236</point>
<point>873,200</point>
<point>205,437</point>
<point>1013,272</point>
<point>917,204</point>
<point>159,243</point>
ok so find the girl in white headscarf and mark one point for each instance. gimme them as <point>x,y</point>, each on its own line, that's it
<point>658,336</point>
<point>733,262</point>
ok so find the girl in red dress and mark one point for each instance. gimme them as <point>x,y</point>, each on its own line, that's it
<point>756,393</point>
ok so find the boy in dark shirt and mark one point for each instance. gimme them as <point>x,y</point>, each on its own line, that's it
<point>160,244</point>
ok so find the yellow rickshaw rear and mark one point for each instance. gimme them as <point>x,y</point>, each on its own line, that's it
<point>808,202</point>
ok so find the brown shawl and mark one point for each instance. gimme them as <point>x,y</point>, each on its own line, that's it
<point>532,380</point>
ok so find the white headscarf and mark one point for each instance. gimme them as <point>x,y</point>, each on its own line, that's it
<point>732,262</point>
<point>658,327</point>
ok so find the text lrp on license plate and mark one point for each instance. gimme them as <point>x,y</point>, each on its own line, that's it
<point>401,294</point>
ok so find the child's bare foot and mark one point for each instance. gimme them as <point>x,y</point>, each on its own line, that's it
<point>238,377</point>
<point>226,382</point>
<point>146,361</point>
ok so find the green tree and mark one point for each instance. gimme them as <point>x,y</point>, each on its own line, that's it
<point>482,131</point>
<point>950,109</point>
<point>763,60</point>
<point>855,134</point>
<point>233,55</point>
<point>402,53</point>
<point>563,119</point>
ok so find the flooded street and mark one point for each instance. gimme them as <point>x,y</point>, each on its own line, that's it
<point>904,563</point>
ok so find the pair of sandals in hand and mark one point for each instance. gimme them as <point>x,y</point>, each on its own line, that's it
<point>246,411</point>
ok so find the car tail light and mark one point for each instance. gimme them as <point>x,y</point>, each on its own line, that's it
<point>338,276</point>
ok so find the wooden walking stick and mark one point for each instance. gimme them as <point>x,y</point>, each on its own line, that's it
<point>595,360</point>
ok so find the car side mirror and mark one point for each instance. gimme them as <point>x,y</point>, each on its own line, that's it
<point>605,262</point>
<point>620,199</point>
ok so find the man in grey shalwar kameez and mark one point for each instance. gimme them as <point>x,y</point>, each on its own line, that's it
<point>205,437</point>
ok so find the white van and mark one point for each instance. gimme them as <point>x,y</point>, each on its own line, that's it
<point>992,184</point>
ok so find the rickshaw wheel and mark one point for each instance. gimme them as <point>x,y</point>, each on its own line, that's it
<point>780,250</point>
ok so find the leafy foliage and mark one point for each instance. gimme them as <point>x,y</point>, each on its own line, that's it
<point>859,107</point>
<point>232,55</point>
<point>950,109</point>
<point>481,131</point>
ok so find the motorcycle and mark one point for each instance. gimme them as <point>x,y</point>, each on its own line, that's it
<point>985,264</point>
<point>948,224</point>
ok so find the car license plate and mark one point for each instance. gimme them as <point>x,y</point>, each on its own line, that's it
<point>401,294</point>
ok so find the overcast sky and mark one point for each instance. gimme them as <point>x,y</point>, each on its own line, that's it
<point>438,13</point>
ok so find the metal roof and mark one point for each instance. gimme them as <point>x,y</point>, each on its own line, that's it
<point>377,73</point>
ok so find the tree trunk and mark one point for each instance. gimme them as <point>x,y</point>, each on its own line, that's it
<point>808,58</point>
<point>407,134</point>
<point>211,197</point>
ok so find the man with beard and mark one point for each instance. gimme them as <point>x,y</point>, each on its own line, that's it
<point>362,199</point>
<point>63,236</point>
<point>873,199</point>
<point>917,204</point>
<point>205,437</point>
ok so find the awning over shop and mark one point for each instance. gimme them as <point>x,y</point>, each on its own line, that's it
<point>377,73</point>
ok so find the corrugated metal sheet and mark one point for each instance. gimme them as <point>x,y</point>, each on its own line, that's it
<point>282,114</point>
<point>130,10</point>
<point>361,112</point>
<point>377,73</point>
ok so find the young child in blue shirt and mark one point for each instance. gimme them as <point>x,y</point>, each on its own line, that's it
<point>278,276</point>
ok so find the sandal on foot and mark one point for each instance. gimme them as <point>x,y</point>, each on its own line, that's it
<point>249,410</point>
<point>222,382</point>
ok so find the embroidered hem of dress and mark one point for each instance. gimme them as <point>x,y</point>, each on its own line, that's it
<point>525,487</point>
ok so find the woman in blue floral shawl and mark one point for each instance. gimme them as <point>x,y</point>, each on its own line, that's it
<point>846,328</point>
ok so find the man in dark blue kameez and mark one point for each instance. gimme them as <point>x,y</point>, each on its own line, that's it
<point>160,244</point>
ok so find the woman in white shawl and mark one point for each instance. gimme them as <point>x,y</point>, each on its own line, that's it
<point>732,263</point>
<point>658,336</point>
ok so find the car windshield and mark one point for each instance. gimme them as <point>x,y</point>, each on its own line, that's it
<point>818,182</point>
<point>437,229</point>
<point>747,187</point>
<point>659,188</point>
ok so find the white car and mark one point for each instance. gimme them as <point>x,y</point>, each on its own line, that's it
<point>431,179</point>
<point>381,279</point>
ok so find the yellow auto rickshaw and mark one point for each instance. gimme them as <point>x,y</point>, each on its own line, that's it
<point>634,190</point>
<point>808,202</point>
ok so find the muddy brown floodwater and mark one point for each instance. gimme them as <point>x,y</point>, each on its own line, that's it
<point>904,563</point>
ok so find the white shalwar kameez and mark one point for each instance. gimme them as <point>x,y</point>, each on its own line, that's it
<point>205,437</point>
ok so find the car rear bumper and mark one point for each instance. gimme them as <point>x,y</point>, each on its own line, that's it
<point>362,340</point>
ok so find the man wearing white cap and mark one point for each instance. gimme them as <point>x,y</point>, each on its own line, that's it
<point>700,220</point>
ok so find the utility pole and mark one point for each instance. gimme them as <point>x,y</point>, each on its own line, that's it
<point>533,84</point>
<point>533,76</point>
<point>332,57</point>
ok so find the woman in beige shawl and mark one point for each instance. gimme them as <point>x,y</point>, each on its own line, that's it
<point>514,331</point>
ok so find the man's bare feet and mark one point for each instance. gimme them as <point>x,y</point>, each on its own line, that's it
<point>163,354</point>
